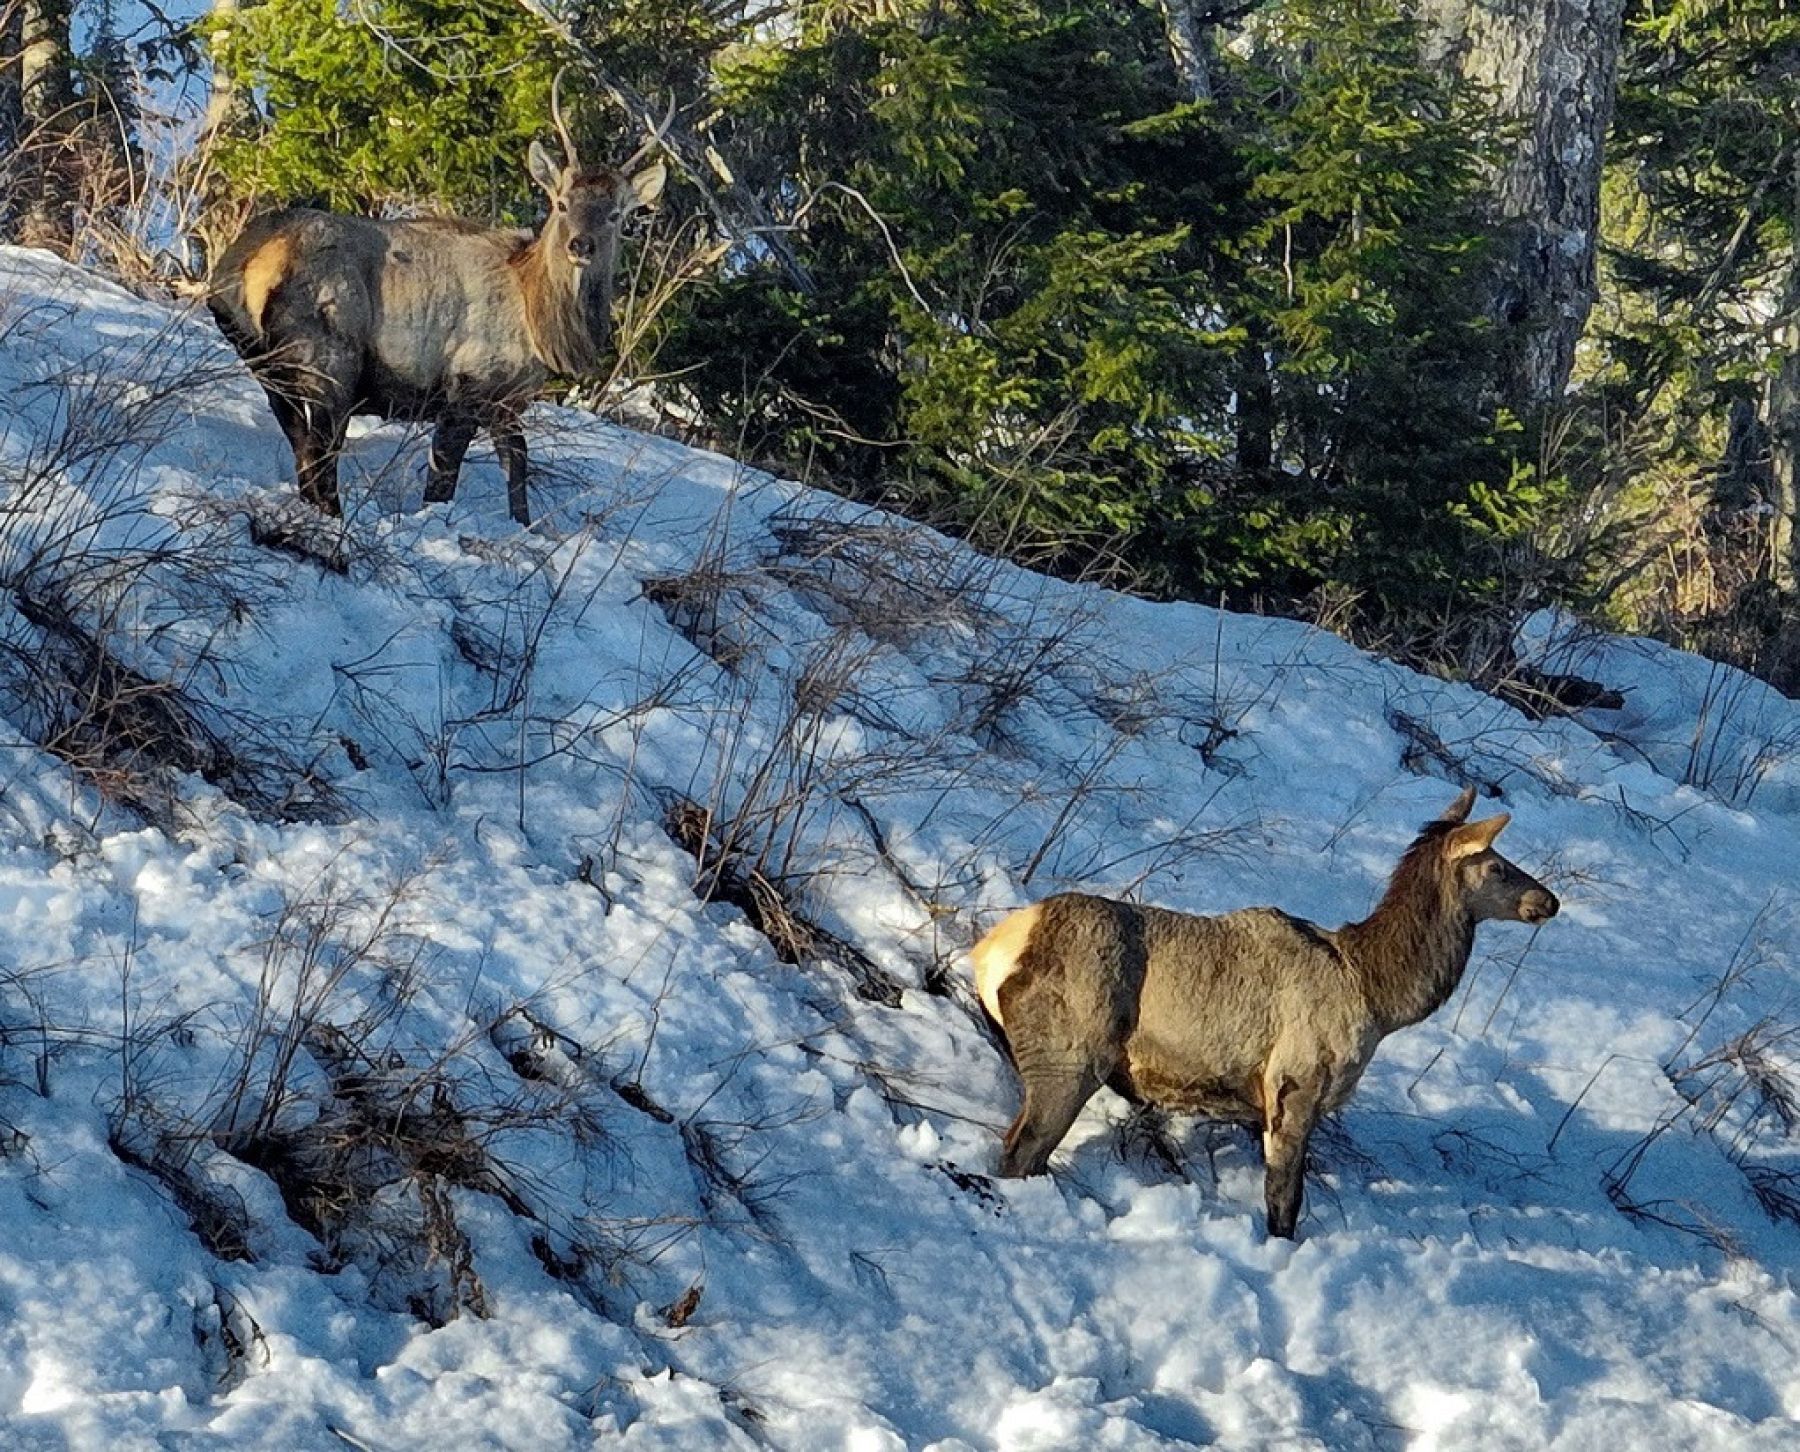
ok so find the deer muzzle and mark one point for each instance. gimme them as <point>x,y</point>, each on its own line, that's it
<point>1538,906</point>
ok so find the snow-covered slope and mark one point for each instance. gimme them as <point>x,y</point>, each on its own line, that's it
<point>380,1079</point>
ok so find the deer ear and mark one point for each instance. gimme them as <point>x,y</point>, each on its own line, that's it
<point>647,185</point>
<point>1477,836</point>
<point>544,170</point>
<point>1458,810</point>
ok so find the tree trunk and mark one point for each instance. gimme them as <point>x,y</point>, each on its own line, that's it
<point>12,116</point>
<point>1188,49</point>
<point>1744,480</point>
<point>1255,410</point>
<point>46,104</point>
<point>1548,66</point>
<point>1784,415</point>
<point>222,101</point>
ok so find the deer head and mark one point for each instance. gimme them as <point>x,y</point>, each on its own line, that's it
<point>1491,888</point>
<point>590,205</point>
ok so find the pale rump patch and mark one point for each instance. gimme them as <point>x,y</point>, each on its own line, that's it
<point>997,955</point>
<point>266,269</point>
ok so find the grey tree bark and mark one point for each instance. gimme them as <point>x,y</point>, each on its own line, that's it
<point>1188,48</point>
<point>223,100</point>
<point>12,117</point>
<point>1784,415</point>
<point>1548,66</point>
<point>46,104</point>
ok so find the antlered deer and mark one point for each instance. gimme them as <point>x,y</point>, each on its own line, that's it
<point>1254,1016</point>
<point>430,318</point>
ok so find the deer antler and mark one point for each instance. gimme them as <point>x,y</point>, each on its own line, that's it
<point>556,115</point>
<point>653,140</point>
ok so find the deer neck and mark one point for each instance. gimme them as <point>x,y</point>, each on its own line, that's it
<point>1411,951</point>
<point>567,310</point>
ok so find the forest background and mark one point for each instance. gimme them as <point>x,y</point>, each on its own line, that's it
<point>1409,318</point>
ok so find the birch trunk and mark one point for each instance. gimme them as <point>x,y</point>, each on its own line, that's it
<point>222,94</point>
<point>46,106</point>
<point>1548,66</point>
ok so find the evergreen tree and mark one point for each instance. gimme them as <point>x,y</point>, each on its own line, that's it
<point>1055,269</point>
<point>1362,288</point>
<point>1010,213</point>
<point>1705,212</point>
<point>402,100</point>
<point>1048,273</point>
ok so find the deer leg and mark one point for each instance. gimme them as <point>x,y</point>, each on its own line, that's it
<point>509,445</point>
<point>1293,1103</point>
<point>317,438</point>
<point>1052,1100</point>
<point>450,440</point>
<point>312,440</point>
<point>1065,1030</point>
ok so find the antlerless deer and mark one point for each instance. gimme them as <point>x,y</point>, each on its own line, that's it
<point>432,318</point>
<point>1254,1016</point>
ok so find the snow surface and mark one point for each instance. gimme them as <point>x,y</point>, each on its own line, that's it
<point>442,832</point>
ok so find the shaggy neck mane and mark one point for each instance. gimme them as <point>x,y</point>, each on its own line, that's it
<point>1411,951</point>
<point>569,313</point>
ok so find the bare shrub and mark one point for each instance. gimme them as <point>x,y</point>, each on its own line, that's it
<point>1424,749</point>
<point>708,606</point>
<point>132,735</point>
<point>1146,1140</point>
<point>110,584</point>
<point>674,253</point>
<point>1743,1095</point>
<point>321,943</point>
<point>293,528</point>
<point>501,628</point>
<point>25,1023</point>
<point>1716,760</point>
<point>712,1147</point>
<point>361,1146</point>
<point>891,579</point>
<point>1776,1190</point>
<point>173,1156</point>
<point>730,875</point>
<point>1747,1086</point>
<point>125,166</point>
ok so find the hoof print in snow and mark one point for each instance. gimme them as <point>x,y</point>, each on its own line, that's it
<point>742,1413</point>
